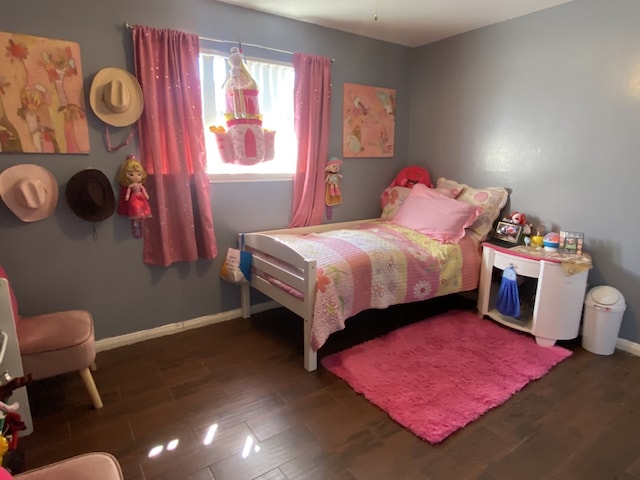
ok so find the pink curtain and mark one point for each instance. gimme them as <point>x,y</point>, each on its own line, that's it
<point>172,148</point>
<point>312,111</point>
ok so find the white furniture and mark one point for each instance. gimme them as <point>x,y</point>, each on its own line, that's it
<point>12,362</point>
<point>551,295</point>
<point>292,269</point>
<point>289,277</point>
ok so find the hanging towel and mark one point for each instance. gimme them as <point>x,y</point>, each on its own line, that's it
<point>508,301</point>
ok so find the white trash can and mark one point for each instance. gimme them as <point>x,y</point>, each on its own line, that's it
<point>603,310</point>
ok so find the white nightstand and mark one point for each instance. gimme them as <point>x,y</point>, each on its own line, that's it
<point>552,288</point>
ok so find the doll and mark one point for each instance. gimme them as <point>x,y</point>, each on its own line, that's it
<point>333,192</point>
<point>333,178</point>
<point>134,199</point>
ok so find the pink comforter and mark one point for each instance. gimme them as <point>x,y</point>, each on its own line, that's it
<point>379,264</point>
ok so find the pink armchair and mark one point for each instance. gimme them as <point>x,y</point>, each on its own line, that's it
<point>55,343</point>
<point>90,466</point>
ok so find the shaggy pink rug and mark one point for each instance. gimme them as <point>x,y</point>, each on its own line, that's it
<point>436,376</point>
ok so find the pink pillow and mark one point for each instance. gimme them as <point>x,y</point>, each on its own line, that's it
<point>436,215</point>
<point>393,198</point>
<point>14,301</point>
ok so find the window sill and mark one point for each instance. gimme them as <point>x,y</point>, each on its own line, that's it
<point>249,177</point>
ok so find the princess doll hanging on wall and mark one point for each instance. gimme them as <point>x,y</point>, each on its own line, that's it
<point>134,199</point>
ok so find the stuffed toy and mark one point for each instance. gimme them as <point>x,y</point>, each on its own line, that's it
<point>409,176</point>
<point>134,199</point>
<point>332,180</point>
<point>521,219</point>
<point>333,191</point>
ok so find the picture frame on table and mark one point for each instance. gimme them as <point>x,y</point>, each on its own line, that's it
<point>571,242</point>
<point>508,232</point>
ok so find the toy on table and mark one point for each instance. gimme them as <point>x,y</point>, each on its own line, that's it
<point>551,241</point>
<point>537,240</point>
<point>134,199</point>
<point>521,219</point>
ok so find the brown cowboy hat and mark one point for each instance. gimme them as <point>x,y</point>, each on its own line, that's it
<point>90,195</point>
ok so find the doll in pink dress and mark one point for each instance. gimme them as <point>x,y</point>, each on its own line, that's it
<point>134,199</point>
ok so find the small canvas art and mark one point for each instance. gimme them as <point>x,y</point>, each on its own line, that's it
<point>368,121</point>
<point>42,106</point>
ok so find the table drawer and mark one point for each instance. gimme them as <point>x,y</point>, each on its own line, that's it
<point>522,266</point>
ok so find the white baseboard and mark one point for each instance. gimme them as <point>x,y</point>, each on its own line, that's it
<point>628,346</point>
<point>135,337</point>
<point>172,328</point>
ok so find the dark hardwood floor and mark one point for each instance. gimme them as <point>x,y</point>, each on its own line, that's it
<point>245,379</point>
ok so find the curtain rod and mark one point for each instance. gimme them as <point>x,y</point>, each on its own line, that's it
<point>130,27</point>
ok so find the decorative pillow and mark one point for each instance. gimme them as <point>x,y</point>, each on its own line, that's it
<point>491,200</point>
<point>449,192</point>
<point>434,214</point>
<point>394,197</point>
<point>391,201</point>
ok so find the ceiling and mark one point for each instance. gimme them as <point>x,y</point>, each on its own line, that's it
<point>406,22</point>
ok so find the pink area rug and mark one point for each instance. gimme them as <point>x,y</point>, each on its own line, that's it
<point>436,376</point>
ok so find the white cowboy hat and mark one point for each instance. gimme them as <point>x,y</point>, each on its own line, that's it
<point>116,97</point>
<point>30,191</point>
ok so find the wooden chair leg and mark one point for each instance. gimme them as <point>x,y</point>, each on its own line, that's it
<point>87,378</point>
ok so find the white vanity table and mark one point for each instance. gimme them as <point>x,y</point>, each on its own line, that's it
<point>553,290</point>
<point>10,361</point>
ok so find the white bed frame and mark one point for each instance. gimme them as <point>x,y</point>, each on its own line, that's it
<point>300,274</point>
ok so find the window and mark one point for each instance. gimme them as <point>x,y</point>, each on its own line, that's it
<point>275,83</point>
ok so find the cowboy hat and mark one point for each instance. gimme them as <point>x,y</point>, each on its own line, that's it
<point>30,191</point>
<point>116,97</point>
<point>90,195</point>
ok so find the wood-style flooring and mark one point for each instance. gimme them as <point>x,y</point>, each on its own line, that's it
<point>273,420</point>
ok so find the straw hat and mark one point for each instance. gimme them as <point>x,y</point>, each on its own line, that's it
<point>30,191</point>
<point>116,97</point>
<point>90,195</point>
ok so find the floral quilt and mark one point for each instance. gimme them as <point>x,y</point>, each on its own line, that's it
<point>374,265</point>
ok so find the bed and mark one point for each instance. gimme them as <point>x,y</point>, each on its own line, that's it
<point>329,273</point>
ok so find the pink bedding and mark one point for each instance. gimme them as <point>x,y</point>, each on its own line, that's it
<point>379,264</point>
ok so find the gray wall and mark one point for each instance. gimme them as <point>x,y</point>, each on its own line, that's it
<point>56,264</point>
<point>547,105</point>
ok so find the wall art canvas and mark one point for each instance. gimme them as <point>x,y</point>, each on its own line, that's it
<point>368,121</point>
<point>42,106</point>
